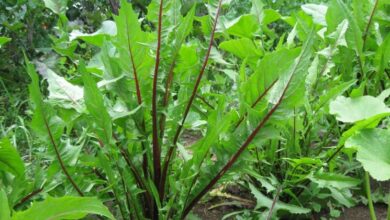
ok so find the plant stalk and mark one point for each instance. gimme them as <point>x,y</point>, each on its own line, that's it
<point>368,192</point>
<point>59,158</point>
<point>367,29</point>
<point>168,156</point>
<point>156,147</point>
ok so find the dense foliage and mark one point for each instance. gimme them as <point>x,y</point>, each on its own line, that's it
<point>141,109</point>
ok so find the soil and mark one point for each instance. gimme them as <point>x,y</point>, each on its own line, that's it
<point>362,213</point>
<point>356,213</point>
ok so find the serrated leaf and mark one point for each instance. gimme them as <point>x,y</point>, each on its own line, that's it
<point>334,180</point>
<point>265,202</point>
<point>318,12</point>
<point>95,106</point>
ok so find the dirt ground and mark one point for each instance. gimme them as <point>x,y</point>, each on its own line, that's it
<point>356,213</point>
<point>362,213</point>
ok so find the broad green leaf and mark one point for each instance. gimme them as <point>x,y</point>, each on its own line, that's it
<point>187,62</point>
<point>121,83</point>
<point>269,16</point>
<point>108,29</point>
<point>265,202</point>
<point>132,45</point>
<point>318,12</point>
<point>95,106</point>
<point>257,9</point>
<point>242,48</point>
<point>382,56</point>
<point>293,79</point>
<point>62,92</point>
<point>4,40</point>
<point>246,26</point>
<point>351,110</point>
<point>371,122</point>
<point>267,71</point>
<point>219,122</point>
<point>333,93</point>
<point>57,6</point>
<point>184,29</point>
<point>10,159</point>
<point>67,207</point>
<point>46,124</point>
<point>354,36</point>
<point>5,212</point>
<point>373,151</point>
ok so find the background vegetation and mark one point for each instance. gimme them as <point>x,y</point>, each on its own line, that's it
<point>149,109</point>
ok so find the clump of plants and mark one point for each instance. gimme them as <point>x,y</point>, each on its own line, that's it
<point>269,108</point>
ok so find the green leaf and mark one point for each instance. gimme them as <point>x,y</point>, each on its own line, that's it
<point>267,71</point>
<point>337,12</point>
<point>44,120</point>
<point>269,16</point>
<point>57,6</point>
<point>5,213</point>
<point>184,29</point>
<point>4,40</point>
<point>242,48</point>
<point>373,151</point>
<point>351,110</point>
<point>108,29</point>
<point>293,79</point>
<point>382,56</point>
<point>334,180</point>
<point>66,207</point>
<point>10,159</point>
<point>95,106</point>
<point>244,26</point>
<point>265,202</point>
<point>333,93</point>
<point>133,46</point>
<point>318,12</point>
<point>61,92</point>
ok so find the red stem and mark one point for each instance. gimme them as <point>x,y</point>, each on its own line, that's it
<point>168,157</point>
<point>156,147</point>
<point>58,155</point>
<point>262,95</point>
<point>29,196</point>
<point>365,34</point>
<point>168,84</point>
<point>137,87</point>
